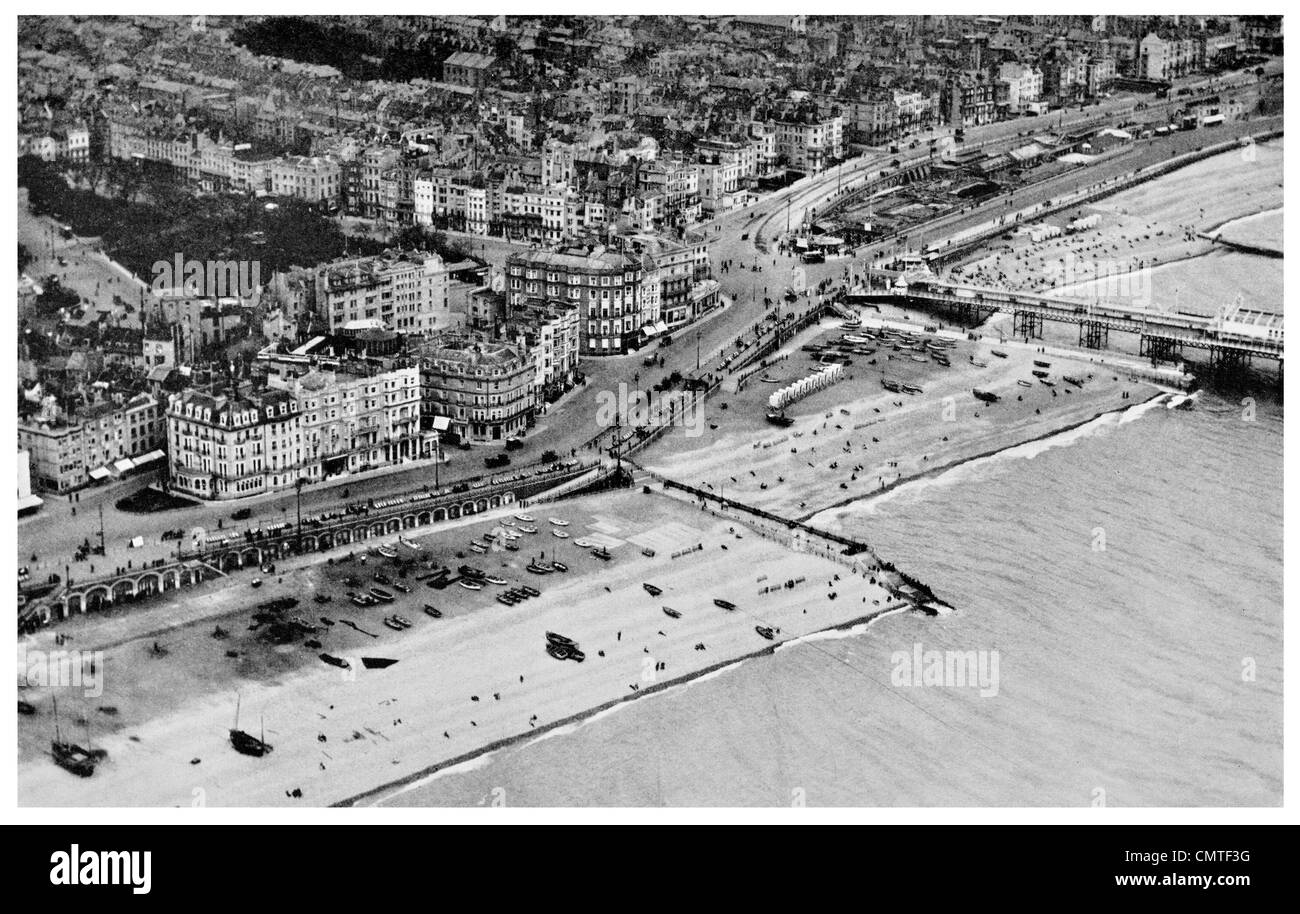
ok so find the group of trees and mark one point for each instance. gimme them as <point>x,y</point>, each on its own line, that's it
<point>138,229</point>
<point>345,47</point>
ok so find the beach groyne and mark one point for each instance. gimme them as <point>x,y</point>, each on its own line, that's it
<point>960,246</point>
<point>803,537</point>
<point>1244,248</point>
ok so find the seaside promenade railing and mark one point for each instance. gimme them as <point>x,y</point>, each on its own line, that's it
<point>955,247</point>
<point>396,507</point>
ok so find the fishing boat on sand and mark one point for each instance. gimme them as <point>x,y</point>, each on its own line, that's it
<point>377,663</point>
<point>431,610</point>
<point>652,590</point>
<point>985,395</point>
<point>999,353</point>
<point>1023,383</point>
<point>246,743</point>
<point>765,631</point>
<point>562,648</point>
<point>71,757</point>
<point>672,613</point>
<point>779,418</point>
<point>725,604</point>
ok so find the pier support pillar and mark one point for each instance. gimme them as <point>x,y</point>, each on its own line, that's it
<point>1229,363</point>
<point>1093,334</point>
<point>1160,349</point>
<point>1028,324</point>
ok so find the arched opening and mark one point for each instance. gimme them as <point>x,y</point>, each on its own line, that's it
<point>148,584</point>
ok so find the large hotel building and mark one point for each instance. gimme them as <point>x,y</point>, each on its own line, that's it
<point>608,289</point>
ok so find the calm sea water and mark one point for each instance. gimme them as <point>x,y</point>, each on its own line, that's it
<point>1147,672</point>
<point>1120,670</point>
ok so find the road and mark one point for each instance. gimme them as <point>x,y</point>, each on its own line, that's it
<point>85,270</point>
<point>53,534</point>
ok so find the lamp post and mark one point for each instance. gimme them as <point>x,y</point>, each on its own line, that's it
<point>297,485</point>
<point>437,441</point>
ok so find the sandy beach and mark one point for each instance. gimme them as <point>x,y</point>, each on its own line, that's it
<point>475,677</point>
<point>1141,229</point>
<point>856,438</point>
<point>479,678</point>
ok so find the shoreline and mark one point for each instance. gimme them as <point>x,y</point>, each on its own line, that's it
<point>385,791</point>
<point>940,470</point>
<point>171,711</point>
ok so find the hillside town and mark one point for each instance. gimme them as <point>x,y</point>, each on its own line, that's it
<point>425,388</point>
<point>531,196</point>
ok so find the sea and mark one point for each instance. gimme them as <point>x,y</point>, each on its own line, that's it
<point>1123,580</point>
